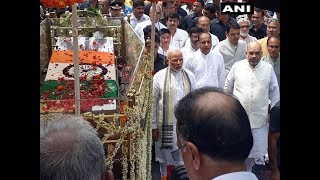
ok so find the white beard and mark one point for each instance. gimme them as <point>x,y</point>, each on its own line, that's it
<point>244,34</point>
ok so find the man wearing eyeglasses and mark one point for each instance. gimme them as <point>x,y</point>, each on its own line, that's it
<point>104,6</point>
<point>213,135</point>
<point>169,86</point>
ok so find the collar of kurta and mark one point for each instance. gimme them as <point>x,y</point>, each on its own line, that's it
<point>274,60</point>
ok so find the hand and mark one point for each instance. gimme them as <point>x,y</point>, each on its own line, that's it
<point>155,134</point>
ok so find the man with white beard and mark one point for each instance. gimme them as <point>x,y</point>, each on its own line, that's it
<point>244,30</point>
<point>169,86</point>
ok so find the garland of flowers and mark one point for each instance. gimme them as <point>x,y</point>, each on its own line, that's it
<point>147,137</point>
<point>124,161</point>
<point>133,157</point>
<point>148,131</point>
<point>59,3</point>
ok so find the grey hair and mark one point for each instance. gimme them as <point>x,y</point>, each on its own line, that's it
<point>172,51</point>
<point>70,149</point>
<point>243,19</point>
<point>270,20</point>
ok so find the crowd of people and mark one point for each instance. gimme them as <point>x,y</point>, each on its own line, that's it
<point>216,90</point>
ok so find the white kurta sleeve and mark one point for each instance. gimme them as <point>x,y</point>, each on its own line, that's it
<point>229,83</point>
<point>192,80</point>
<point>155,102</point>
<point>274,93</point>
<point>139,32</point>
<point>221,72</point>
<point>188,64</point>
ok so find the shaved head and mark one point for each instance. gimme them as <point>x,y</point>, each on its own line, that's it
<point>254,53</point>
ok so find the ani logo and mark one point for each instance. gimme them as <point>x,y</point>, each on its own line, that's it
<point>237,8</point>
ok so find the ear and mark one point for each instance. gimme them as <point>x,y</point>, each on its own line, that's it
<point>195,155</point>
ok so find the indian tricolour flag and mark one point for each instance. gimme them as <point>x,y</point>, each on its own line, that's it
<point>91,63</point>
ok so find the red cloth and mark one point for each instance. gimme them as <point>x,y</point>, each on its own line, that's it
<point>169,171</point>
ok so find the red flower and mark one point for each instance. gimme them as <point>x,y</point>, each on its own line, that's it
<point>59,3</point>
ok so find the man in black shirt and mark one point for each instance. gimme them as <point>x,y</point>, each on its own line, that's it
<point>219,27</point>
<point>258,28</point>
<point>197,7</point>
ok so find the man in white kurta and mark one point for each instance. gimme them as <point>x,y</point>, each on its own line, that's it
<point>232,48</point>
<point>139,27</point>
<point>188,50</point>
<point>178,36</point>
<point>178,85</point>
<point>207,65</point>
<point>165,42</point>
<point>244,30</point>
<point>204,23</point>
<point>255,84</point>
<point>137,15</point>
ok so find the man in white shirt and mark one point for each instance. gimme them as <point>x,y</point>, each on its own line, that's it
<point>255,84</point>
<point>158,25</point>
<point>204,23</point>
<point>178,36</point>
<point>207,65</point>
<point>138,14</point>
<point>273,56</point>
<point>187,51</point>
<point>169,86</point>
<point>232,48</point>
<point>165,42</point>
<point>244,24</point>
<point>214,135</point>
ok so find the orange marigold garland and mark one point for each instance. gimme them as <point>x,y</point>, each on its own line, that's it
<point>59,3</point>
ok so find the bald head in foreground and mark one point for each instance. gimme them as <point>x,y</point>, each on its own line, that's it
<point>70,149</point>
<point>214,135</point>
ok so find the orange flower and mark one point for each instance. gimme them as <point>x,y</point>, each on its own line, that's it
<point>60,88</point>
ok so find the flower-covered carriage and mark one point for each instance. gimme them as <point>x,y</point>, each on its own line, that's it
<point>115,83</point>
